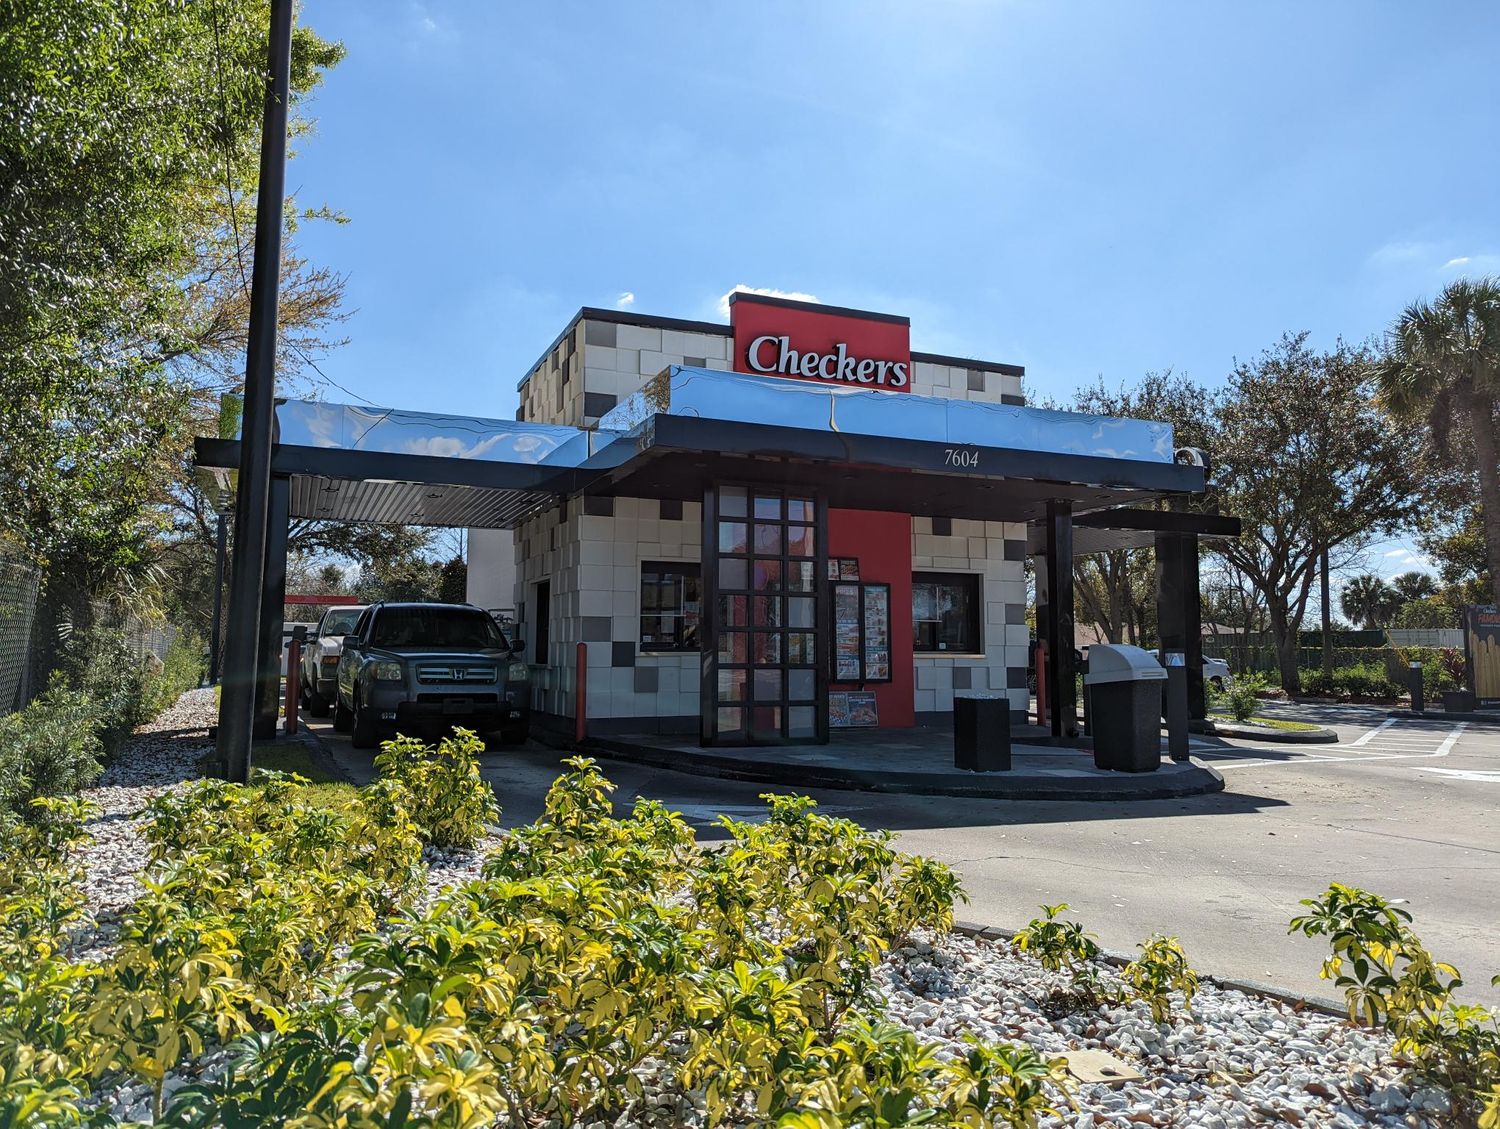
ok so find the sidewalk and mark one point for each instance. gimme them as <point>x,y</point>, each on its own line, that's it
<point>917,761</point>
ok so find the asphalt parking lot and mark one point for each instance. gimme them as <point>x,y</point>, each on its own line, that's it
<point>1407,808</point>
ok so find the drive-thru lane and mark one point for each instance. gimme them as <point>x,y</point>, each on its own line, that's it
<point>1408,808</point>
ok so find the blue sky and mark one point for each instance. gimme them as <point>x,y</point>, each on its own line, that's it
<point>1081,188</point>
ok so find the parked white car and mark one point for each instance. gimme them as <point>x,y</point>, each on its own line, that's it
<point>1216,673</point>
<point>320,658</point>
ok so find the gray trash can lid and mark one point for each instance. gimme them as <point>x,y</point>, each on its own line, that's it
<point>1116,662</point>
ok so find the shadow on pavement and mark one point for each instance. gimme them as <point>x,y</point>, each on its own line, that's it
<point>521,776</point>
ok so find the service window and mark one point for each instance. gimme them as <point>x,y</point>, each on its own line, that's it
<point>945,613</point>
<point>671,606</point>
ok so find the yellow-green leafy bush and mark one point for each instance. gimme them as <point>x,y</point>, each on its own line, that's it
<point>441,787</point>
<point>594,944</point>
<point>44,995</point>
<point>1161,969</point>
<point>1391,980</point>
<point>1063,946</point>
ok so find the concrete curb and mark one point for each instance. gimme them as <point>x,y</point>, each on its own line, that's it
<point>1200,780</point>
<point>1320,1004</point>
<point>1489,718</point>
<point>1319,736</point>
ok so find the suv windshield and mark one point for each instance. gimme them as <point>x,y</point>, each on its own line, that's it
<point>436,627</point>
<point>341,622</point>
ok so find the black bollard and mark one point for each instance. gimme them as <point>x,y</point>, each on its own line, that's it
<point>1418,704</point>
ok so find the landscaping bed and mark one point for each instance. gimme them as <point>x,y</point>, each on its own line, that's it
<point>803,973</point>
<point>1260,728</point>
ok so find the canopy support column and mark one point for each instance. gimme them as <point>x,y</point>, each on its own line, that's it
<point>1179,614</point>
<point>1061,669</point>
<point>272,608</point>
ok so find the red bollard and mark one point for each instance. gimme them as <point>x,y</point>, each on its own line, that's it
<point>293,683</point>
<point>581,699</point>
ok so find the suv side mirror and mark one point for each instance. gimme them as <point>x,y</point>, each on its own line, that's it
<point>518,646</point>
<point>352,640</point>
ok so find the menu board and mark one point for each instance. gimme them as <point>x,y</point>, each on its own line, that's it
<point>877,641</point>
<point>846,633</point>
<point>852,709</point>
<point>861,632</point>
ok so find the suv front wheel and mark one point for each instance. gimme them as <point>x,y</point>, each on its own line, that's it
<point>363,732</point>
<point>343,718</point>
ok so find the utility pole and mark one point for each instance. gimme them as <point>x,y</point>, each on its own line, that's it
<point>237,698</point>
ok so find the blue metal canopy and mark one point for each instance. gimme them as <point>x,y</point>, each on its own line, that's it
<point>354,463</point>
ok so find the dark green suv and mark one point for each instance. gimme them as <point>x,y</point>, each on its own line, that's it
<point>412,668</point>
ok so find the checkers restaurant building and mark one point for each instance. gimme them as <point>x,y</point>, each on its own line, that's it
<point>794,523</point>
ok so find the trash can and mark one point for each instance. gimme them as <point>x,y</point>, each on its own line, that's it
<point>981,733</point>
<point>1125,699</point>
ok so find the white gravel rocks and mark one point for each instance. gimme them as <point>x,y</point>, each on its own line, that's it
<point>164,754</point>
<point>1230,1060</point>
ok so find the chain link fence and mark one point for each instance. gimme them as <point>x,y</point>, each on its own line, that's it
<point>28,635</point>
<point>19,585</point>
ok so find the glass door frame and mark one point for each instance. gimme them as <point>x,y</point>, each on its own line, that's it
<point>712,627</point>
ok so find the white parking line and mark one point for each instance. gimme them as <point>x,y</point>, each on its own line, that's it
<point>1393,748</point>
<point>1460,774</point>
<point>1447,746</point>
<point>1368,737</point>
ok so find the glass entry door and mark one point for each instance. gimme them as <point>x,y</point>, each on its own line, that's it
<point>763,656</point>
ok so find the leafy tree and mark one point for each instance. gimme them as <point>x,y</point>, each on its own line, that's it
<point>1456,545</point>
<point>1116,589</point>
<point>1411,586</point>
<point>408,577</point>
<point>1442,366</point>
<point>1369,601</point>
<point>1310,462</point>
<point>126,161</point>
<point>453,581</point>
<point>1427,612</point>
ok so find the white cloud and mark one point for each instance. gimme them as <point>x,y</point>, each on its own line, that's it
<point>767,291</point>
<point>1403,253</point>
<point>1406,560</point>
<point>1458,262</point>
<point>625,300</point>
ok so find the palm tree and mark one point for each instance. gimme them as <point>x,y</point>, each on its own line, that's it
<point>1441,363</point>
<point>1368,600</point>
<point>1411,586</point>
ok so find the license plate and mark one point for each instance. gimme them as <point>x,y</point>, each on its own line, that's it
<point>458,705</point>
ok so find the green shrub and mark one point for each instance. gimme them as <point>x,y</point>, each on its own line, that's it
<point>1355,680</point>
<point>182,670</point>
<point>1243,694</point>
<point>51,748</point>
<point>1316,684</point>
<point>1063,946</point>
<point>1160,970</point>
<point>45,1041</point>
<point>101,666</point>
<point>441,788</point>
<point>1390,979</point>
<point>592,944</point>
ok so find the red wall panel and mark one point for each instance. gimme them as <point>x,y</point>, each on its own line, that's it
<point>882,542</point>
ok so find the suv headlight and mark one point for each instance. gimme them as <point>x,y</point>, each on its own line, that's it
<point>389,672</point>
<point>518,672</point>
